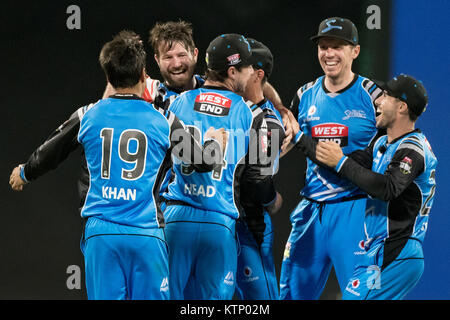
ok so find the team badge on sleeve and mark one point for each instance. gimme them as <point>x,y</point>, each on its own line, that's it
<point>406,165</point>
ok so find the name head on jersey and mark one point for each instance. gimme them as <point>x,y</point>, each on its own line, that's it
<point>212,104</point>
<point>339,28</point>
<point>228,50</point>
<point>409,90</point>
<point>262,58</point>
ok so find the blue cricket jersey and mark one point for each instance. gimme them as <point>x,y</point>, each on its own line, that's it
<point>347,117</point>
<point>218,190</point>
<point>401,186</point>
<point>128,144</point>
<point>408,214</point>
<point>125,140</point>
<point>160,93</point>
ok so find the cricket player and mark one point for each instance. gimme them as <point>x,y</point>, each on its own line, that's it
<point>256,277</point>
<point>326,227</point>
<point>202,208</point>
<point>399,174</point>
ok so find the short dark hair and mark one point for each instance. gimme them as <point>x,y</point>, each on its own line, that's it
<point>170,32</point>
<point>412,115</point>
<point>219,75</point>
<point>123,59</point>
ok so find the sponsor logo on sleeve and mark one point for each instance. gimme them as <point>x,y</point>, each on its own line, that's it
<point>406,165</point>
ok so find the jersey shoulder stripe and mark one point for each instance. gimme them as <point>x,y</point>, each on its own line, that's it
<point>82,111</point>
<point>412,143</point>
<point>371,88</point>
<point>305,88</point>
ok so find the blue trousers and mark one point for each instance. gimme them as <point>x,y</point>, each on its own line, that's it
<point>123,262</point>
<point>202,253</point>
<point>322,236</point>
<point>256,277</point>
<point>370,282</point>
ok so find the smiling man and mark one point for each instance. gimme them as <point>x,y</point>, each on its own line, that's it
<point>327,227</point>
<point>176,55</point>
<point>398,172</point>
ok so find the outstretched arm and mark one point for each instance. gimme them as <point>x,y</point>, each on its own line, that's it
<point>288,118</point>
<point>385,186</point>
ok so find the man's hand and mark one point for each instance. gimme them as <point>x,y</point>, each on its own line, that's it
<point>15,181</point>
<point>290,123</point>
<point>276,205</point>
<point>220,135</point>
<point>329,153</point>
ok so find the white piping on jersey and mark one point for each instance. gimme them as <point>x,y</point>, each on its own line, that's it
<point>333,94</point>
<point>420,210</point>
<point>369,84</point>
<point>411,146</point>
<point>249,105</point>
<point>331,192</point>
<point>276,121</point>
<point>308,86</point>
<point>153,194</point>
<point>372,97</point>
<point>170,118</point>
<point>81,112</point>
<point>89,188</point>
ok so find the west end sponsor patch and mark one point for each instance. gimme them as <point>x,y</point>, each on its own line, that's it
<point>331,132</point>
<point>212,104</point>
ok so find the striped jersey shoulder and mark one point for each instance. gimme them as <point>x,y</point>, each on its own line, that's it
<point>371,88</point>
<point>271,117</point>
<point>412,142</point>
<point>83,110</point>
<point>254,108</point>
<point>306,87</point>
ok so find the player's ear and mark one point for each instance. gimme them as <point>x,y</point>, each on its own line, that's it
<point>231,72</point>
<point>260,73</point>
<point>403,108</point>
<point>355,51</point>
<point>156,58</point>
<point>143,75</point>
<point>195,54</point>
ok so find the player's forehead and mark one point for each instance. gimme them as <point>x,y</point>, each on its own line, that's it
<point>331,42</point>
<point>173,47</point>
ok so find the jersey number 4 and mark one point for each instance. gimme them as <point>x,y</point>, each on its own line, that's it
<point>138,157</point>
<point>187,169</point>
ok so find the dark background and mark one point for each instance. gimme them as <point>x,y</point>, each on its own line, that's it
<point>48,71</point>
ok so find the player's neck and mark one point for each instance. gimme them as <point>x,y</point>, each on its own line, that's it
<point>338,83</point>
<point>399,129</point>
<point>256,96</point>
<point>224,84</point>
<point>136,90</point>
